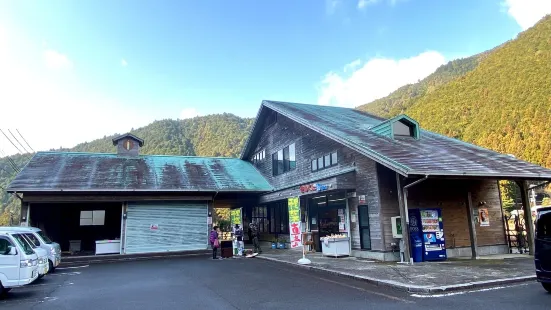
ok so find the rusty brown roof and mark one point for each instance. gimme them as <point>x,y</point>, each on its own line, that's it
<point>61,171</point>
<point>431,154</point>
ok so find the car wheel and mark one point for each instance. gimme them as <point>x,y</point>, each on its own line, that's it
<point>52,268</point>
<point>3,290</point>
<point>547,286</point>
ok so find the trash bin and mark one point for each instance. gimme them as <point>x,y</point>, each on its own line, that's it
<point>417,249</point>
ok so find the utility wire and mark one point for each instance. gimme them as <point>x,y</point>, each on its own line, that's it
<point>10,141</point>
<point>11,133</point>
<point>25,140</point>
<point>10,160</point>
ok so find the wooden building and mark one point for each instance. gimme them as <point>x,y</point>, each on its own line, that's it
<point>344,161</point>
<point>138,203</point>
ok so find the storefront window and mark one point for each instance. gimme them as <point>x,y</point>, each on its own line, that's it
<point>327,213</point>
<point>279,218</point>
<point>260,217</point>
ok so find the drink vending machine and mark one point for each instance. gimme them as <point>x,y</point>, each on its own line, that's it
<point>426,225</point>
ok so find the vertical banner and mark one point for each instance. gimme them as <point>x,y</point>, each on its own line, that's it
<point>484,217</point>
<point>294,222</point>
<point>235,216</point>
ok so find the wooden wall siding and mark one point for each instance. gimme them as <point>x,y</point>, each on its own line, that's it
<point>450,196</point>
<point>308,145</point>
<point>389,203</point>
<point>367,184</point>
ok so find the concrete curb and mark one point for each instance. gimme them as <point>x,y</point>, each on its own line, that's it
<point>426,289</point>
<point>68,262</point>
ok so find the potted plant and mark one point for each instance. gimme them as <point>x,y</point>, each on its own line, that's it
<point>274,243</point>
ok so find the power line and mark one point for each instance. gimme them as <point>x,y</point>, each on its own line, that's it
<point>25,140</point>
<point>11,133</point>
<point>10,160</point>
<point>10,141</point>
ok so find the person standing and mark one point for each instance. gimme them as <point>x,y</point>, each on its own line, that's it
<point>214,241</point>
<point>255,234</point>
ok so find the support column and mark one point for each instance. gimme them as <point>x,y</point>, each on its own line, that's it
<point>472,226</point>
<point>403,219</point>
<point>528,223</point>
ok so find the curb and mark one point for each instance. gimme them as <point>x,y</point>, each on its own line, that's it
<point>102,260</point>
<point>426,289</point>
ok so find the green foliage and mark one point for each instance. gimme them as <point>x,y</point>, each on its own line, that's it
<point>546,201</point>
<point>213,135</point>
<point>500,100</point>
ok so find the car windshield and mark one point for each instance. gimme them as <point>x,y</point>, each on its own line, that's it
<point>29,241</point>
<point>23,243</point>
<point>44,237</point>
<point>33,239</point>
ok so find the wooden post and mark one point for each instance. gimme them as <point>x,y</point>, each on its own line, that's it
<point>528,223</point>
<point>403,219</point>
<point>472,226</point>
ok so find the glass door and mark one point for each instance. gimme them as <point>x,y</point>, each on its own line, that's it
<point>365,236</point>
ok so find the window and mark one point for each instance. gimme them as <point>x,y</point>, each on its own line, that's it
<point>260,217</point>
<point>259,156</point>
<point>92,218</point>
<point>284,160</point>
<point>23,243</point>
<point>314,165</point>
<point>543,226</point>
<point>325,161</point>
<point>5,246</point>
<point>279,218</point>
<point>44,237</point>
<point>33,239</point>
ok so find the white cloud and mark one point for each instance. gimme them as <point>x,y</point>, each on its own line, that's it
<point>124,63</point>
<point>189,113</point>
<point>362,4</point>
<point>53,110</point>
<point>376,78</point>
<point>55,60</point>
<point>527,12</point>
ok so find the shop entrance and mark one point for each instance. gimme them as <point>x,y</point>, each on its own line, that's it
<point>327,215</point>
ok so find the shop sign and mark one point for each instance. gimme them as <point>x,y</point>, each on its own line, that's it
<point>314,188</point>
<point>361,200</point>
<point>294,222</point>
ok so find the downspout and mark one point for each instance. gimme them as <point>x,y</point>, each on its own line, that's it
<point>405,190</point>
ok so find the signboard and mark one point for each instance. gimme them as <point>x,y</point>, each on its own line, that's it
<point>314,188</point>
<point>154,227</point>
<point>484,217</point>
<point>235,216</point>
<point>361,200</point>
<point>294,222</point>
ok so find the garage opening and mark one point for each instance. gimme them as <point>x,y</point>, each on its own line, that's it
<point>80,228</point>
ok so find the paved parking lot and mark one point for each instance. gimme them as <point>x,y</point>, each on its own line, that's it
<point>201,283</point>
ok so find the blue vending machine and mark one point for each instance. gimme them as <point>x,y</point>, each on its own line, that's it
<point>433,234</point>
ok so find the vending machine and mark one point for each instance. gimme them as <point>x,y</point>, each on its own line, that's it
<point>426,224</point>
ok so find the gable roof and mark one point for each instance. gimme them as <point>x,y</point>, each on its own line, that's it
<point>432,154</point>
<point>56,171</point>
<point>128,135</point>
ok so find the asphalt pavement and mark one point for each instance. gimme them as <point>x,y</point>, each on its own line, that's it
<point>201,283</point>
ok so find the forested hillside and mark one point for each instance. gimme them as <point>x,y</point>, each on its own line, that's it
<point>212,135</point>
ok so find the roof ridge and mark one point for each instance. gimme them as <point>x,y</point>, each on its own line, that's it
<point>139,156</point>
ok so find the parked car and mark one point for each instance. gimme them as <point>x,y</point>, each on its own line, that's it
<point>39,238</point>
<point>43,265</point>
<point>18,262</point>
<point>542,255</point>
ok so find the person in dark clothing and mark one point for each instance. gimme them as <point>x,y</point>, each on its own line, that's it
<point>255,234</point>
<point>214,241</point>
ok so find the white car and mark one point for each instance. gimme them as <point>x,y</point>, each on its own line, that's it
<point>39,238</point>
<point>18,262</point>
<point>43,265</point>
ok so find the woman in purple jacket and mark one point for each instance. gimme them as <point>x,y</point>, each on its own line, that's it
<point>214,242</point>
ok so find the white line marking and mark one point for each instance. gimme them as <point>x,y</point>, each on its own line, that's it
<point>74,273</point>
<point>465,292</point>
<point>76,267</point>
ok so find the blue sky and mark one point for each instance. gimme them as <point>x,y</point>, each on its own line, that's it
<point>84,69</point>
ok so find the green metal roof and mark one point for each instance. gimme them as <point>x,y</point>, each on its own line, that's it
<point>60,171</point>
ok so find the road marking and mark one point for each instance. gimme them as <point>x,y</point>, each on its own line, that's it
<point>74,273</point>
<point>75,267</point>
<point>466,292</point>
<point>355,287</point>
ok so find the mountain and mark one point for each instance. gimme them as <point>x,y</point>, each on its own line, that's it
<point>212,135</point>
<point>500,99</point>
